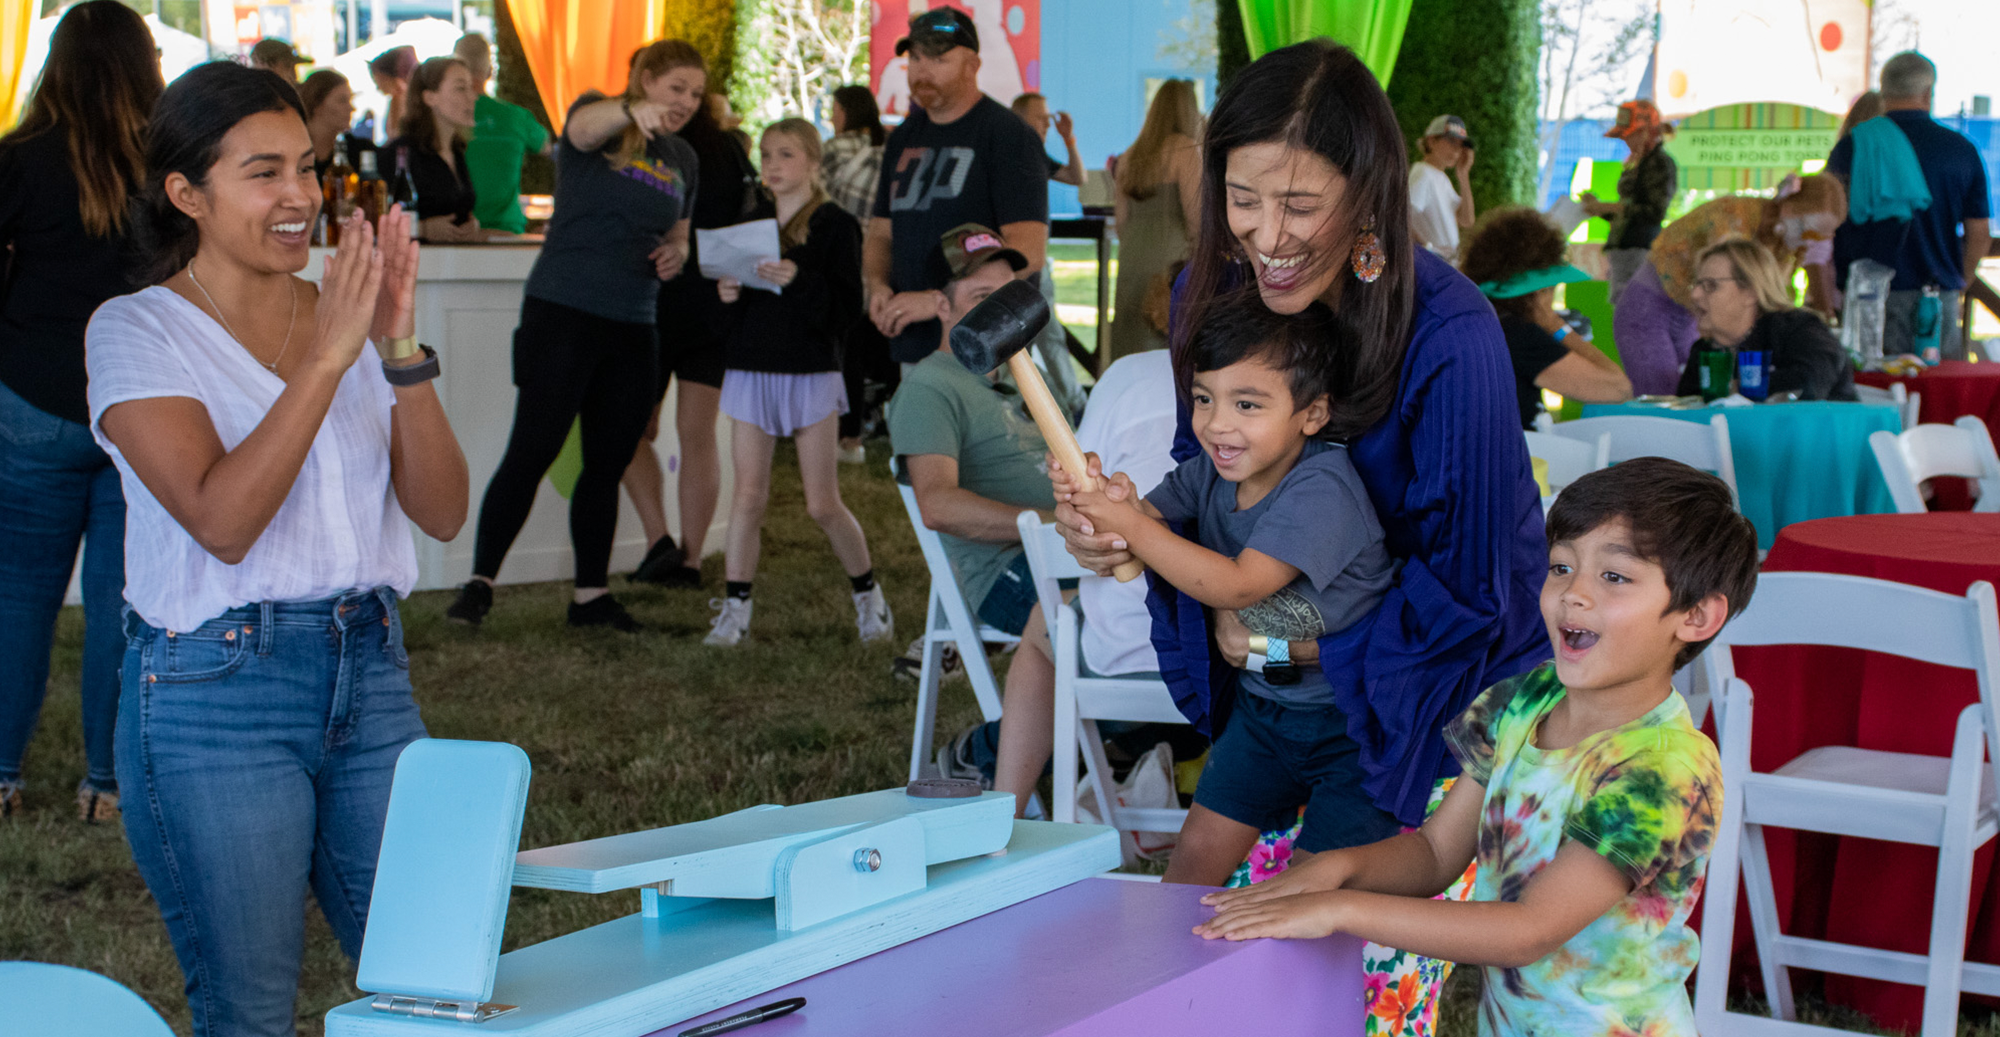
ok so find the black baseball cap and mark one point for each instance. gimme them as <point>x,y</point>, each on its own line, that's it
<point>940,29</point>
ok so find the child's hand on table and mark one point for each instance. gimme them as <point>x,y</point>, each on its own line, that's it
<point>1304,916</point>
<point>1315,873</point>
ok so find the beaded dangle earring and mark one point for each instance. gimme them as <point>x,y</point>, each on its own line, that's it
<point>1368,259</point>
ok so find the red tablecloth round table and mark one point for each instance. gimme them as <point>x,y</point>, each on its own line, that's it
<point>1950,389</point>
<point>1858,890</point>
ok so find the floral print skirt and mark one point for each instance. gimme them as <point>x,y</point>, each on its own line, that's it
<point>1403,988</point>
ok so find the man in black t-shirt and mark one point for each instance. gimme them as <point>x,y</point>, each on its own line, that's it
<point>961,158</point>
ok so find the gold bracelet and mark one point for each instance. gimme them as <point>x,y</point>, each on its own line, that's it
<point>401,348</point>
<point>1260,644</point>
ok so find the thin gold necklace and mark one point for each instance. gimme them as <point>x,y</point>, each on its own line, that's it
<point>289,325</point>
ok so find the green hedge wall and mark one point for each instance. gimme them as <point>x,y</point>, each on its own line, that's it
<point>1476,59</point>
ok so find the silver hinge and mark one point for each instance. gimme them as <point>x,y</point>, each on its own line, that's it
<point>430,1008</point>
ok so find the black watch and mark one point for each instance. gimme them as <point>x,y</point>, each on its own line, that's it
<point>415,374</point>
<point>1281,674</point>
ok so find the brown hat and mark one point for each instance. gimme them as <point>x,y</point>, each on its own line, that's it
<point>1635,117</point>
<point>969,246</point>
<point>269,51</point>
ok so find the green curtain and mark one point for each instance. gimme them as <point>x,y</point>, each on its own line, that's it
<point>1373,28</point>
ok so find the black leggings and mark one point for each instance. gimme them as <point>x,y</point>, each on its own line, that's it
<point>569,363</point>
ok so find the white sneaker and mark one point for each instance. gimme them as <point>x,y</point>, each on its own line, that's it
<point>853,455</point>
<point>871,615</point>
<point>731,622</point>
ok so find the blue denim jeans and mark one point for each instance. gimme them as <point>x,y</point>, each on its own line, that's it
<point>57,488</point>
<point>255,754</point>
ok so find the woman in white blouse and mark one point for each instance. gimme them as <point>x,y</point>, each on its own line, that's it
<point>272,464</point>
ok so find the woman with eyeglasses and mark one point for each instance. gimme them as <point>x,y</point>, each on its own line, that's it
<point>1742,305</point>
<point>1654,323</point>
<point>67,175</point>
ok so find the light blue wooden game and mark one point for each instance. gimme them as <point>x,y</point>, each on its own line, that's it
<point>729,907</point>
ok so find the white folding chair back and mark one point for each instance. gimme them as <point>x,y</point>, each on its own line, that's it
<point>39,998</point>
<point>947,620</point>
<point>1912,407</point>
<point>1703,446</point>
<point>1962,449</point>
<point>1896,393</point>
<point>1081,700</point>
<point>1947,802</point>
<point>1568,459</point>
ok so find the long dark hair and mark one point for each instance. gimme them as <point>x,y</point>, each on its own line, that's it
<point>98,87</point>
<point>858,105</point>
<point>1317,96</point>
<point>317,88</point>
<point>193,116</point>
<point>419,122</point>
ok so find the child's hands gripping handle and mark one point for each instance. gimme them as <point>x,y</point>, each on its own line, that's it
<point>1061,439</point>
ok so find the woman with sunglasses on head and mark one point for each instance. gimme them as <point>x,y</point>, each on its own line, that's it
<point>586,347</point>
<point>273,463</point>
<point>67,175</point>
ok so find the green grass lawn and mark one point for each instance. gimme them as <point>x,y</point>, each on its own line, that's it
<point>625,733</point>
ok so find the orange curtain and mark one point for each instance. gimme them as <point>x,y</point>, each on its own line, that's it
<point>16,18</point>
<point>578,45</point>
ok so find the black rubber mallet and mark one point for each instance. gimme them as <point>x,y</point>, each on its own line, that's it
<point>997,332</point>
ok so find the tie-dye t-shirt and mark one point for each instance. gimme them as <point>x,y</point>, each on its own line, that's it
<point>1645,796</point>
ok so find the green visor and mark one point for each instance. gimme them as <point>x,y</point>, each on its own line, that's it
<point>1532,281</point>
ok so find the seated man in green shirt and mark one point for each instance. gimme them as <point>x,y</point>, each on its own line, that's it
<point>974,460</point>
<point>502,135</point>
<point>970,449</point>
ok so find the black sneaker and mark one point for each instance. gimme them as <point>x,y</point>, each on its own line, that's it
<point>603,611</point>
<point>661,559</point>
<point>475,600</point>
<point>681,577</point>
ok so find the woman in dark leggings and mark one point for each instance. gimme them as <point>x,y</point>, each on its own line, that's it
<point>691,354</point>
<point>586,347</point>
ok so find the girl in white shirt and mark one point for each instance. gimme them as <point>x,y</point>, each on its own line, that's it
<point>272,465</point>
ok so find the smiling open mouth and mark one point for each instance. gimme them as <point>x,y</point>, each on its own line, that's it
<point>289,228</point>
<point>1577,639</point>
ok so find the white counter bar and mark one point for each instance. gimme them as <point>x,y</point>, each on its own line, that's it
<point>468,304</point>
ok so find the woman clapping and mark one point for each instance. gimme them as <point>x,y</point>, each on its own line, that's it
<point>272,463</point>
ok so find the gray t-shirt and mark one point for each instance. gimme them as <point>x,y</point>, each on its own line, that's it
<point>1318,520</point>
<point>607,221</point>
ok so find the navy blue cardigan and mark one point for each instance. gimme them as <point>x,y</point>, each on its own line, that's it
<point>1448,472</point>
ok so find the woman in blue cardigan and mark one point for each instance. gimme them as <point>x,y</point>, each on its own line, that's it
<point>1305,200</point>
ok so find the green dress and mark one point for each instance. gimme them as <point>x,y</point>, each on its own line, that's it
<point>1152,239</point>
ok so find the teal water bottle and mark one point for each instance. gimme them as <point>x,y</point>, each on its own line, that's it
<point>1930,326</point>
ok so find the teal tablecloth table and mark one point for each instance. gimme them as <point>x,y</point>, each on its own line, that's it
<point>1795,461</point>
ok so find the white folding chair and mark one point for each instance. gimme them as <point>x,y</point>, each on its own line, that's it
<point>1907,403</point>
<point>948,620</point>
<point>1899,797</point>
<point>1924,452</point>
<point>1081,701</point>
<point>1692,443</point>
<point>1568,459</point>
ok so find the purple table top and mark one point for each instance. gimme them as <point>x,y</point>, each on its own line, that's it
<point>1101,956</point>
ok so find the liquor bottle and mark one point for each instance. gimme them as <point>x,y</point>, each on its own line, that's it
<point>370,187</point>
<point>403,189</point>
<point>326,229</point>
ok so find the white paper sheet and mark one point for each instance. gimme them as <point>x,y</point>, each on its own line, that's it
<point>735,252</point>
<point>1567,214</point>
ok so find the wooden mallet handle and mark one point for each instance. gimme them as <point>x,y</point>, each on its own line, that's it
<point>1061,439</point>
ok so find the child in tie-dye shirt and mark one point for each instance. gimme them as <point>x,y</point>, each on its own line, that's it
<point>1588,798</point>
